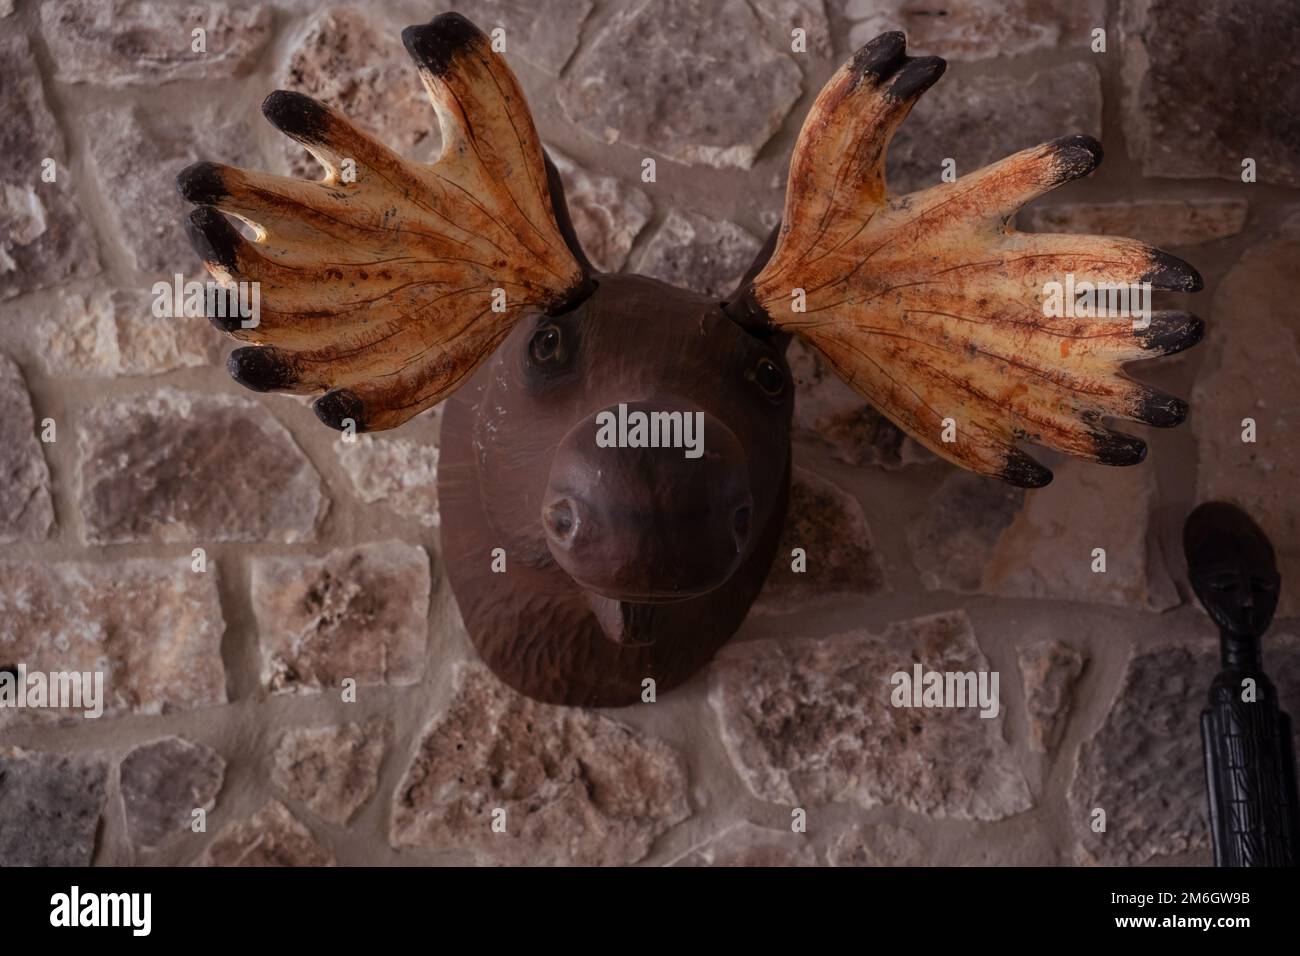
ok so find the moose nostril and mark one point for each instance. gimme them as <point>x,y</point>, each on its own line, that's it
<point>560,520</point>
<point>740,525</point>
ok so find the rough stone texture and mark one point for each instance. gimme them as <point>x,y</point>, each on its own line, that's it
<point>1049,670</point>
<point>982,119</point>
<point>49,808</point>
<point>607,216</point>
<point>978,534</point>
<point>396,472</point>
<point>577,787</point>
<point>882,844</point>
<point>1144,766</point>
<point>44,239</point>
<point>125,42</point>
<point>137,156</point>
<point>1164,223</point>
<point>826,407</point>
<point>163,782</point>
<point>810,721</point>
<point>1186,115</point>
<point>270,837</point>
<point>26,510</point>
<point>543,32</point>
<point>784,16</point>
<point>1251,373</point>
<point>193,468</point>
<point>332,770</point>
<point>688,79</point>
<point>841,557</point>
<point>978,29</point>
<point>746,844</point>
<point>113,332</point>
<point>352,58</point>
<point>697,253</point>
<point>357,612</point>
<point>152,626</point>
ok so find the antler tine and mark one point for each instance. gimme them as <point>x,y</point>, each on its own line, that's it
<point>934,309</point>
<point>387,283</point>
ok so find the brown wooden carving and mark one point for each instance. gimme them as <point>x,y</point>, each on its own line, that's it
<point>583,570</point>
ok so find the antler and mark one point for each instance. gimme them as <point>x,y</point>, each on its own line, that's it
<point>932,307</point>
<point>380,286</point>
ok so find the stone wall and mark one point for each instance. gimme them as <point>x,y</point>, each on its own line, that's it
<point>124,447</point>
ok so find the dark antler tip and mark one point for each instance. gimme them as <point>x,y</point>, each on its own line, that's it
<point>880,56</point>
<point>917,76</point>
<point>1077,155</point>
<point>261,369</point>
<point>1023,472</point>
<point>201,183</point>
<point>1114,448</point>
<point>1172,332</point>
<point>338,407</point>
<point>296,114</point>
<point>1164,411</point>
<point>1171,274</point>
<point>434,44</point>
<point>213,237</point>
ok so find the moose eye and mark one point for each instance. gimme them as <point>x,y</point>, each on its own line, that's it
<point>545,345</point>
<point>769,377</point>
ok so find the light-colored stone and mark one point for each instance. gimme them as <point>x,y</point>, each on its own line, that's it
<point>607,216</point>
<point>698,253</point>
<point>114,332</point>
<point>44,237</point>
<point>840,556</point>
<point>1251,373</point>
<point>49,807</point>
<point>746,844</point>
<point>1144,767</point>
<point>398,473</point>
<point>129,42</point>
<point>576,787</point>
<point>691,80</point>
<point>193,468</point>
<point>137,155</point>
<point>978,534</point>
<point>1164,223</point>
<point>810,721</point>
<point>271,837</point>
<point>359,613</point>
<point>152,627</point>
<point>543,32</point>
<point>332,770</point>
<point>352,58</point>
<point>1049,670</point>
<point>26,509</point>
<point>826,407</point>
<point>982,119</point>
<point>881,844</point>
<point>785,16</point>
<point>1203,92</point>
<point>978,29</point>
<point>163,782</point>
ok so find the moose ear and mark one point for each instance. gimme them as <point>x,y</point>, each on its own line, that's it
<point>386,284</point>
<point>938,312</point>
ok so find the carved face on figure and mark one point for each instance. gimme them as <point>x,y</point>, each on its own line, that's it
<point>1232,567</point>
<point>583,570</point>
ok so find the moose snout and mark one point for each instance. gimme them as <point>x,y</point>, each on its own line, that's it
<point>649,501</point>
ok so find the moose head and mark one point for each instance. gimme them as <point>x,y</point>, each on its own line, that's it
<point>616,451</point>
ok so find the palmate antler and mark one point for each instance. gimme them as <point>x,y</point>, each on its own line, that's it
<point>932,308</point>
<point>379,288</point>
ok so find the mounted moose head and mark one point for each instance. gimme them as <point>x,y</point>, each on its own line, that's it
<point>463,280</point>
